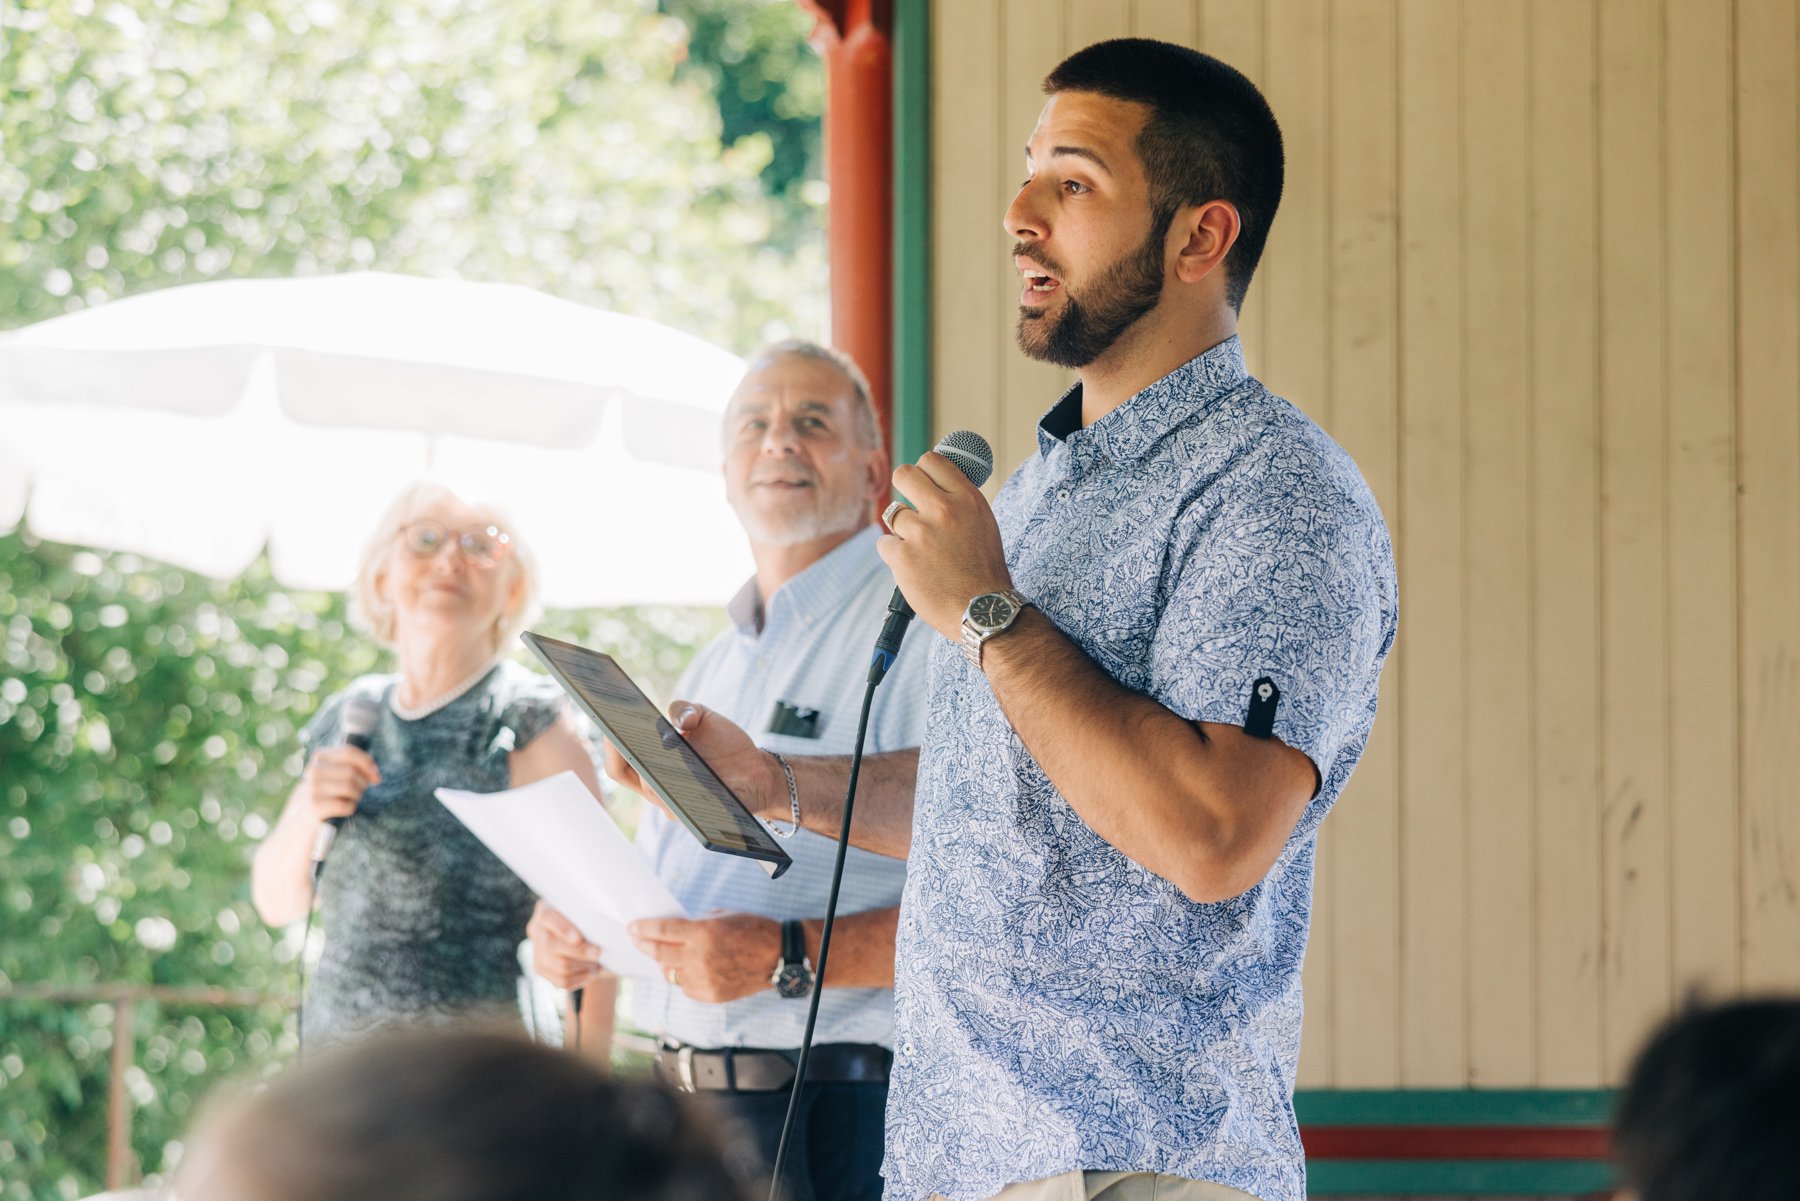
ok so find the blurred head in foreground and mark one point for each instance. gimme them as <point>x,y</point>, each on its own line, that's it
<point>433,1116</point>
<point>1712,1107</point>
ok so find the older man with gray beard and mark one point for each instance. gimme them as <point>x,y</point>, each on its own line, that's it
<point>805,471</point>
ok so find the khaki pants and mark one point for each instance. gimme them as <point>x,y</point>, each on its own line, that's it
<point>1117,1186</point>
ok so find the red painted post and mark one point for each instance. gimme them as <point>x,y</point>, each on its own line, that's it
<point>856,39</point>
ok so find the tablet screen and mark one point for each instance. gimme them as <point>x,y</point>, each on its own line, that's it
<point>647,740</point>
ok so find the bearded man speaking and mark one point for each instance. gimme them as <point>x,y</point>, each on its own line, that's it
<point>1159,662</point>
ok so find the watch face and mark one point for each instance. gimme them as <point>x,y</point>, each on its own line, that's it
<point>794,980</point>
<point>991,611</point>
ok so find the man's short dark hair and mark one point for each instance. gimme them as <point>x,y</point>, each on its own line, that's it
<point>1210,136</point>
<point>1712,1104</point>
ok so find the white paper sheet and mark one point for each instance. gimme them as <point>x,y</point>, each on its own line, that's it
<point>560,840</point>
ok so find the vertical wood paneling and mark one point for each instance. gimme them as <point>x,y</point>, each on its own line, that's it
<point>1363,386</point>
<point>1033,42</point>
<point>1295,264</point>
<point>967,169</point>
<point>1565,538</point>
<point>1537,267</point>
<point>1634,566</point>
<point>1702,499</point>
<point>1497,425</point>
<point>1428,552</point>
<point>1091,21</point>
<point>1231,30</point>
<point>1175,21</point>
<point>1293,278</point>
<point>1768,316</point>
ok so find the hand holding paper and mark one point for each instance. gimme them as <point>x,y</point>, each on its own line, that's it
<point>561,841</point>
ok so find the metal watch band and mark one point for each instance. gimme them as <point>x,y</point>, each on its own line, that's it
<point>973,639</point>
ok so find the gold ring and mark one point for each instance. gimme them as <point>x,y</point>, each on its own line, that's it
<point>892,511</point>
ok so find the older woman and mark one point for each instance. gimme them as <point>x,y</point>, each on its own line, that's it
<point>421,920</point>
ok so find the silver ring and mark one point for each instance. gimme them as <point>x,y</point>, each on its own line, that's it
<point>892,511</point>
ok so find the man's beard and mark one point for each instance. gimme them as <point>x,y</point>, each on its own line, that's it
<point>829,514</point>
<point>1112,304</point>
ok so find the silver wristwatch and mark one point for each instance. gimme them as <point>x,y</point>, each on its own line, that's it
<point>988,614</point>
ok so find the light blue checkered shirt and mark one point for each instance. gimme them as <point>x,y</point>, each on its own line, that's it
<point>1059,1007</point>
<point>813,652</point>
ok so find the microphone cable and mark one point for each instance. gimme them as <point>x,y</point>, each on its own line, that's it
<point>312,907</point>
<point>361,713</point>
<point>831,902</point>
<point>970,454</point>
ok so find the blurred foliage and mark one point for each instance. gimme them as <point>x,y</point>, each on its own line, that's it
<point>769,85</point>
<point>148,737</point>
<point>569,145</point>
<point>657,160</point>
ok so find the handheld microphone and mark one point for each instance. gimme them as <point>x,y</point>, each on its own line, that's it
<point>972,456</point>
<point>361,713</point>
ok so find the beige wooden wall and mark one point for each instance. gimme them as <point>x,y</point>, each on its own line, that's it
<point>1538,269</point>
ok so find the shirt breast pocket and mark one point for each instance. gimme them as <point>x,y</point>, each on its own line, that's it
<point>792,719</point>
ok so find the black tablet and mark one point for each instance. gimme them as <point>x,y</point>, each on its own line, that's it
<point>688,787</point>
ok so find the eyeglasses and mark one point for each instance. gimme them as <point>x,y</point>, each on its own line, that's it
<point>483,547</point>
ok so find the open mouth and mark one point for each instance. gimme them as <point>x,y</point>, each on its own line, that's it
<point>1039,283</point>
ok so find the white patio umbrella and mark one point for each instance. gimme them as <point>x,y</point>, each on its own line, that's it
<point>199,424</point>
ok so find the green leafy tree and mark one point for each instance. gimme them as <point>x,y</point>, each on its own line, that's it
<point>769,86</point>
<point>560,144</point>
<point>149,724</point>
<point>148,716</point>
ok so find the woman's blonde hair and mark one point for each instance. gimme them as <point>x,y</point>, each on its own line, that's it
<point>518,567</point>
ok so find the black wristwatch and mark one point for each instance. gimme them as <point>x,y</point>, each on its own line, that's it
<point>793,976</point>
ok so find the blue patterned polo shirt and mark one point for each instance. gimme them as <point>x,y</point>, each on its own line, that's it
<point>1058,1006</point>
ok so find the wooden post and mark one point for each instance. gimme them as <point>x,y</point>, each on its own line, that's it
<point>120,1170</point>
<point>856,39</point>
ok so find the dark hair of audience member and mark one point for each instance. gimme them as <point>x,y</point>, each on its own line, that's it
<point>1711,1108</point>
<point>441,1116</point>
<point>1210,136</point>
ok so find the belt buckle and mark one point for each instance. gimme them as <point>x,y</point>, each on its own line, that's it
<point>684,1068</point>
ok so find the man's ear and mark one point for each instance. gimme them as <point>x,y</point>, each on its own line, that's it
<point>1208,232</point>
<point>880,475</point>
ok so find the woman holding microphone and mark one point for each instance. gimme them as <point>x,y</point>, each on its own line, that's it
<point>422,921</point>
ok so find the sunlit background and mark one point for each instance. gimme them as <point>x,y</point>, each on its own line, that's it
<point>655,158</point>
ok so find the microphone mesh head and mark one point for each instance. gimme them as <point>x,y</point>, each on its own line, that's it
<point>970,452</point>
<point>361,714</point>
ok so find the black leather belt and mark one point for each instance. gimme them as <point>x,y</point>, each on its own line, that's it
<point>756,1070</point>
